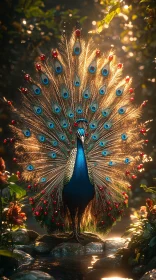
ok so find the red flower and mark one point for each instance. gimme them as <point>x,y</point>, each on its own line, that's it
<point>14,214</point>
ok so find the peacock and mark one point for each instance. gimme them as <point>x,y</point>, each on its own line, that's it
<point>79,140</point>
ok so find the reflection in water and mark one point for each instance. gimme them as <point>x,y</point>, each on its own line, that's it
<point>115,278</point>
<point>93,260</point>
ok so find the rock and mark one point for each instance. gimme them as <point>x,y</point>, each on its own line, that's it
<point>26,248</point>
<point>138,270</point>
<point>94,247</point>
<point>23,258</point>
<point>68,249</point>
<point>114,244</point>
<point>33,235</point>
<point>42,248</point>
<point>150,275</point>
<point>53,239</point>
<point>20,236</point>
<point>32,275</point>
<point>151,264</point>
<point>112,262</point>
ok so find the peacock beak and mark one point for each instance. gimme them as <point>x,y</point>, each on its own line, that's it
<point>82,139</point>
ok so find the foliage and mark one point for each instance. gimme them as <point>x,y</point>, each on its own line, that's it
<point>11,216</point>
<point>142,246</point>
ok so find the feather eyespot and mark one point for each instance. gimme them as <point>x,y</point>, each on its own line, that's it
<point>105,153</point>
<point>62,137</point>
<point>44,79</point>
<point>119,92</point>
<point>70,113</point>
<point>111,163</point>
<point>38,110</point>
<point>104,72</point>
<point>30,167</point>
<point>95,137</point>
<point>102,90</point>
<point>64,124</point>
<point>108,179</point>
<point>124,136</point>
<point>41,138</point>
<point>27,132</point>
<point>50,125</point>
<point>93,125</point>
<point>56,109</point>
<point>58,67</point>
<point>54,143</point>
<point>121,111</point>
<point>52,155</point>
<point>77,48</point>
<point>107,125</point>
<point>86,94</point>
<point>64,93</point>
<point>105,112</point>
<point>43,180</point>
<point>36,90</point>
<point>76,81</point>
<point>127,160</point>
<point>102,143</point>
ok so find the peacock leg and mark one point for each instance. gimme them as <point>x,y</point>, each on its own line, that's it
<point>80,214</point>
<point>74,236</point>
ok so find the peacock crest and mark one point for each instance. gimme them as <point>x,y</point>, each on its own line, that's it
<point>78,92</point>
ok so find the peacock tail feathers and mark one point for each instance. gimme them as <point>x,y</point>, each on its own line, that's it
<point>78,86</point>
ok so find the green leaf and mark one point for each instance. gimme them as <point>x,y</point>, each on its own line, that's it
<point>145,1</point>
<point>108,18</point>
<point>152,242</point>
<point>8,253</point>
<point>13,178</point>
<point>20,192</point>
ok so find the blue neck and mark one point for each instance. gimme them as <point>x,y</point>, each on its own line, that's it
<point>80,167</point>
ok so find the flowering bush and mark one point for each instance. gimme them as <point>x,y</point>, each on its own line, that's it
<point>142,246</point>
<point>11,216</point>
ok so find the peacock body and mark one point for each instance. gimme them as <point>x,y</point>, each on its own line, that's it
<point>78,138</point>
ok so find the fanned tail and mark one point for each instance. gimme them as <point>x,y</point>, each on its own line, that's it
<point>74,84</point>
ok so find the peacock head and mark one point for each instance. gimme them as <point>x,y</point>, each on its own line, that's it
<point>81,134</point>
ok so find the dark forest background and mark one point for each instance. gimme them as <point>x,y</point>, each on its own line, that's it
<point>128,26</point>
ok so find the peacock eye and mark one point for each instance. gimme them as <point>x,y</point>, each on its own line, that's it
<point>104,71</point>
<point>41,138</point>
<point>52,155</point>
<point>30,167</point>
<point>108,179</point>
<point>122,110</point>
<point>119,92</point>
<point>44,79</point>
<point>56,109</point>
<point>105,153</point>
<point>38,110</point>
<point>27,132</point>
<point>36,90</point>
<point>127,160</point>
<point>107,125</point>
<point>50,125</point>
<point>124,136</point>
<point>105,112</point>
<point>77,48</point>
<point>43,180</point>
<point>102,90</point>
<point>54,143</point>
<point>58,67</point>
<point>76,81</point>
